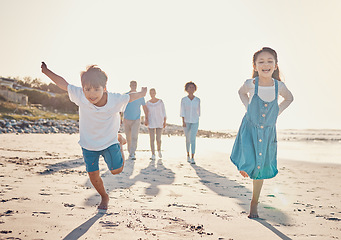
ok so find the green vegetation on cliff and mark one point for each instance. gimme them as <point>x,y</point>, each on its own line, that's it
<point>15,111</point>
<point>49,96</point>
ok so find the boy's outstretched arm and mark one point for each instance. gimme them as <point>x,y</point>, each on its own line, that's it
<point>136,95</point>
<point>58,80</point>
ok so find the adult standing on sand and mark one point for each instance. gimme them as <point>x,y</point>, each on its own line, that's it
<point>190,113</point>
<point>131,121</point>
<point>255,148</point>
<point>99,121</point>
<point>156,121</point>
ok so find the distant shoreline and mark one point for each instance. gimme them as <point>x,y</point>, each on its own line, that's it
<point>47,126</point>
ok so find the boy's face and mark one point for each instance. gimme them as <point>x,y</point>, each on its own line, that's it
<point>95,95</point>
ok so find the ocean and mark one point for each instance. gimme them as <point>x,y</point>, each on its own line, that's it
<point>315,146</point>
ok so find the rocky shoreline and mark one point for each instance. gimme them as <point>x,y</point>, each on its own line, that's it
<point>43,126</point>
<point>48,126</point>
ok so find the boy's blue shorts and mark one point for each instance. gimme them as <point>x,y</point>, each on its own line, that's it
<point>112,156</point>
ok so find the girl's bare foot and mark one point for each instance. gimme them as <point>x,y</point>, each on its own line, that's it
<point>253,210</point>
<point>244,174</point>
<point>121,139</point>
<point>104,203</point>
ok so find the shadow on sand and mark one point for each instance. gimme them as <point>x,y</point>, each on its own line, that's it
<point>155,174</point>
<point>231,189</point>
<point>84,227</point>
<point>52,168</point>
<point>272,228</point>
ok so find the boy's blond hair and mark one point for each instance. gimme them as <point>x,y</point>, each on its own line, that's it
<point>94,77</point>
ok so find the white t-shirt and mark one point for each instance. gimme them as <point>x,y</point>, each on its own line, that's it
<point>266,93</point>
<point>190,109</point>
<point>156,114</point>
<point>98,126</point>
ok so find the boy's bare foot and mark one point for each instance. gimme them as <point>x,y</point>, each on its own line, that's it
<point>244,174</point>
<point>253,210</point>
<point>121,139</point>
<point>104,203</point>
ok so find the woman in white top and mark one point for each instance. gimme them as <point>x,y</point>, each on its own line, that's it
<point>156,121</point>
<point>190,113</point>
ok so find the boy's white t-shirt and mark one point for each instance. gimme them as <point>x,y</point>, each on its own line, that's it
<point>98,126</point>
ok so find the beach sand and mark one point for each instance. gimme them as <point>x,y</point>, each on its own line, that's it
<point>46,194</point>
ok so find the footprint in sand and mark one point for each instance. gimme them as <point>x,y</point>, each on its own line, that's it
<point>69,205</point>
<point>109,224</point>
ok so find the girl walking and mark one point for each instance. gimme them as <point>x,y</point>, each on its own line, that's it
<point>190,113</point>
<point>255,148</point>
<point>156,121</point>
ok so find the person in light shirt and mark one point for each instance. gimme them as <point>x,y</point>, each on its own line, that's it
<point>190,113</point>
<point>156,122</point>
<point>99,122</point>
<point>131,120</point>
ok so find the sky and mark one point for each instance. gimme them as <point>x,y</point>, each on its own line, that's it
<point>164,44</point>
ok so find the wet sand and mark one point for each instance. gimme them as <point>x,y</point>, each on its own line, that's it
<point>46,194</point>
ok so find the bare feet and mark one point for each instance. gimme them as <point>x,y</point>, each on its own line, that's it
<point>253,210</point>
<point>244,174</point>
<point>104,203</point>
<point>121,139</point>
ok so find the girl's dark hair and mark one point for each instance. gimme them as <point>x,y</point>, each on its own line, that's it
<point>190,83</point>
<point>94,77</point>
<point>276,73</point>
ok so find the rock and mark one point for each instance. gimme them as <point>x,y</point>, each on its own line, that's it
<point>41,126</point>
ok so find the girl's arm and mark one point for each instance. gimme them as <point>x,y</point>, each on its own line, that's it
<point>58,80</point>
<point>288,98</point>
<point>243,94</point>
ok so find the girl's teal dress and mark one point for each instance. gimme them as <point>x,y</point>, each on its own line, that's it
<point>255,148</point>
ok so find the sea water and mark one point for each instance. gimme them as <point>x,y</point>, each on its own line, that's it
<point>295,150</point>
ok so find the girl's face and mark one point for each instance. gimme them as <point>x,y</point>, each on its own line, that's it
<point>152,93</point>
<point>190,89</point>
<point>265,64</point>
<point>94,94</point>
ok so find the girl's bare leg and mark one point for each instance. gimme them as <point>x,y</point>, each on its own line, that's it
<point>257,187</point>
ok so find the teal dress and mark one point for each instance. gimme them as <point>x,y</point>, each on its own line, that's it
<point>255,148</point>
